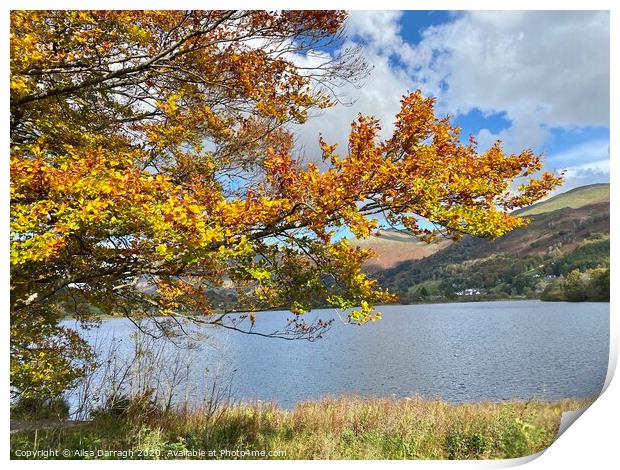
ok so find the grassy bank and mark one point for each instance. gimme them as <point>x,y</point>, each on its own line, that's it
<point>343,428</point>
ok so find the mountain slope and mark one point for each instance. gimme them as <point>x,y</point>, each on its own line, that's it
<point>575,198</point>
<point>555,242</point>
<point>392,247</point>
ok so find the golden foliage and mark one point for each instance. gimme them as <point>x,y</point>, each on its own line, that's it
<point>150,164</point>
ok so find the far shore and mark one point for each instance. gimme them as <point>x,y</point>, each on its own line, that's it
<point>378,307</point>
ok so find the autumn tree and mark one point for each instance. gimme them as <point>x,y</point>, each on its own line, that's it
<point>152,163</point>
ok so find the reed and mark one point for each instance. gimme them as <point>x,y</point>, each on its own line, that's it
<point>348,427</point>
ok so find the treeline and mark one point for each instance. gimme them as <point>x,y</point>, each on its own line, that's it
<point>451,276</point>
<point>591,285</point>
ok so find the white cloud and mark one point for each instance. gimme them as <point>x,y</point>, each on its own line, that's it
<point>379,96</point>
<point>543,69</point>
<point>583,164</point>
<point>583,154</point>
<point>576,177</point>
<point>380,29</point>
<point>599,166</point>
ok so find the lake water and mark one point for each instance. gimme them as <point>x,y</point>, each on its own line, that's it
<point>457,352</point>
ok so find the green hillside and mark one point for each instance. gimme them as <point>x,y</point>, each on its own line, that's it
<point>525,263</point>
<point>575,198</point>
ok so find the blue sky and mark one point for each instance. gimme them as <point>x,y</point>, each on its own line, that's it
<point>534,79</point>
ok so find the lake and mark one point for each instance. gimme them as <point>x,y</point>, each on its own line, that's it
<point>480,351</point>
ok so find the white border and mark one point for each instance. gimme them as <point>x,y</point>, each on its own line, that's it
<point>590,442</point>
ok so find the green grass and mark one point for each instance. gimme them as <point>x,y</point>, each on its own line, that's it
<point>343,428</point>
<point>574,198</point>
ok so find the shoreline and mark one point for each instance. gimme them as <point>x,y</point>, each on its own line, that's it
<point>378,307</point>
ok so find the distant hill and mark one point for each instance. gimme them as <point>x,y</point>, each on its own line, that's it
<point>393,247</point>
<point>567,232</point>
<point>575,198</point>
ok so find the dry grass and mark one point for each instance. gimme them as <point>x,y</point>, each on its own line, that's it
<point>332,428</point>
